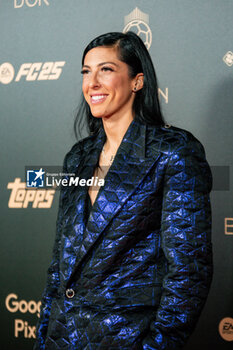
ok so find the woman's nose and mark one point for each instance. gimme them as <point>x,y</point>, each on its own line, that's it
<point>94,81</point>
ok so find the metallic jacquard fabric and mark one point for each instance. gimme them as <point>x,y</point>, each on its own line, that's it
<point>141,267</point>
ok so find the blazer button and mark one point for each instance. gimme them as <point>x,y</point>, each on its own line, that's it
<point>70,293</point>
<point>167,126</point>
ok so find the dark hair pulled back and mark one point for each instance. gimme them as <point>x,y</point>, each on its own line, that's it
<point>134,53</point>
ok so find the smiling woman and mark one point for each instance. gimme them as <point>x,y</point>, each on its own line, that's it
<point>107,85</point>
<point>132,260</point>
<point>108,90</point>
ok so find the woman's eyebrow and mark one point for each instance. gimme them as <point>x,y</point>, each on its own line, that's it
<point>101,64</point>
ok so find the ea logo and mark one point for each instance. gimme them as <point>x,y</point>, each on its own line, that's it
<point>7,73</point>
<point>226,328</point>
<point>137,21</point>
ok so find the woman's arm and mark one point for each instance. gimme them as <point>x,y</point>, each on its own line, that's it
<point>52,277</point>
<point>186,242</point>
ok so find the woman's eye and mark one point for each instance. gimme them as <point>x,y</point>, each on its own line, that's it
<point>84,71</point>
<point>105,69</point>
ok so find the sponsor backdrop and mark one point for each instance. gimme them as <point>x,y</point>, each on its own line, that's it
<point>40,84</point>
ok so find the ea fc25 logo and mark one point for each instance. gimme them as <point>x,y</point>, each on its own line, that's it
<point>138,22</point>
<point>226,328</point>
<point>31,71</point>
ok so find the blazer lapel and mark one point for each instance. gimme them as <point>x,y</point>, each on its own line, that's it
<point>129,168</point>
<point>83,167</point>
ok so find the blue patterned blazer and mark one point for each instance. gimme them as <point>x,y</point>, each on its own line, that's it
<point>136,275</point>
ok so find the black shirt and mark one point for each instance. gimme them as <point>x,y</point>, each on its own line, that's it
<point>88,207</point>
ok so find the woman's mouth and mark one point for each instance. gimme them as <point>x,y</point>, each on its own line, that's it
<point>98,98</point>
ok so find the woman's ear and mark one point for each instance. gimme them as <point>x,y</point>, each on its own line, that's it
<point>138,82</point>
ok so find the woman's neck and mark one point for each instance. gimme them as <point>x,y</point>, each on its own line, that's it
<point>115,131</point>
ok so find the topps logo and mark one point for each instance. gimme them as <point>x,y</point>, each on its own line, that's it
<point>21,196</point>
<point>40,71</point>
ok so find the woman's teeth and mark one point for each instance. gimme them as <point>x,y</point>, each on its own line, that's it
<point>98,98</point>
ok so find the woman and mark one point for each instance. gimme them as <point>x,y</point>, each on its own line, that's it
<point>132,260</point>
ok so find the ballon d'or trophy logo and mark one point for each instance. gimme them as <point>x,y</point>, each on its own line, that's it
<point>138,22</point>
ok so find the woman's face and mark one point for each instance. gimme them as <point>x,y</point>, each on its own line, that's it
<point>107,87</point>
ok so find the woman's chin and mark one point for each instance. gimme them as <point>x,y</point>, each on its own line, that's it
<point>97,115</point>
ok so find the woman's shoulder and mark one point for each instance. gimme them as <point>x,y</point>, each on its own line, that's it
<point>81,144</point>
<point>172,139</point>
<point>72,157</point>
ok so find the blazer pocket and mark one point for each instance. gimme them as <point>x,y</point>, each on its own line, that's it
<point>137,297</point>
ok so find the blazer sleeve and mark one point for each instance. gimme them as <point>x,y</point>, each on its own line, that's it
<point>52,277</point>
<point>186,242</point>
